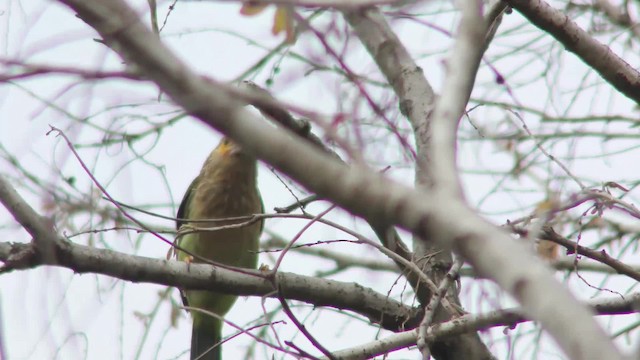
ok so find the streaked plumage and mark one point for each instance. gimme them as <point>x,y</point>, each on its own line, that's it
<point>226,187</point>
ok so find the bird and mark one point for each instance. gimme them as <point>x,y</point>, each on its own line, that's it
<point>225,188</point>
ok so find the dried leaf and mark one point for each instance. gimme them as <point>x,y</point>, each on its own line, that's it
<point>283,21</point>
<point>249,9</point>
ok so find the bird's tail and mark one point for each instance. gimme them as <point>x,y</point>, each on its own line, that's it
<point>205,343</point>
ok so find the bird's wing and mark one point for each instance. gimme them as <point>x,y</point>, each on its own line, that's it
<point>182,215</point>
<point>184,205</point>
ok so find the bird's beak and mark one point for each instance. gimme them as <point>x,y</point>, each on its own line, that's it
<point>228,149</point>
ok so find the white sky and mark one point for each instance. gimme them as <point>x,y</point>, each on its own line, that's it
<point>49,313</point>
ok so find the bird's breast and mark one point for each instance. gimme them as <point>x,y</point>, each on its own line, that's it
<point>228,241</point>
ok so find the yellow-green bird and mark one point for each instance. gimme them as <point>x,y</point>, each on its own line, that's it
<point>226,187</point>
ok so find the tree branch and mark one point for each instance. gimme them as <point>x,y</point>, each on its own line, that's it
<point>85,259</point>
<point>472,323</point>
<point>598,255</point>
<point>416,99</point>
<point>610,66</point>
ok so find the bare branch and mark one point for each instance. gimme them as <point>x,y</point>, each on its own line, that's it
<point>416,99</point>
<point>598,255</point>
<point>469,323</point>
<point>462,67</point>
<point>376,307</point>
<point>30,70</point>
<point>39,228</point>
<point>430,309</point>
<point>611,67</point>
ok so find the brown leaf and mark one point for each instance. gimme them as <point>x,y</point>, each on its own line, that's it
<point>283,21</point>
<point>249,9</point>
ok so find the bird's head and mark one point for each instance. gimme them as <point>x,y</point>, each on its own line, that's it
<point>229,150</point>
<point>230,159</point>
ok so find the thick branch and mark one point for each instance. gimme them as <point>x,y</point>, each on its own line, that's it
<point>610,66</point>
<point>414,92</point>
<point>416,98</point>
<point>378,308</point>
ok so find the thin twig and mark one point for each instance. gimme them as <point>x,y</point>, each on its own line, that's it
<point>430,309</point>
